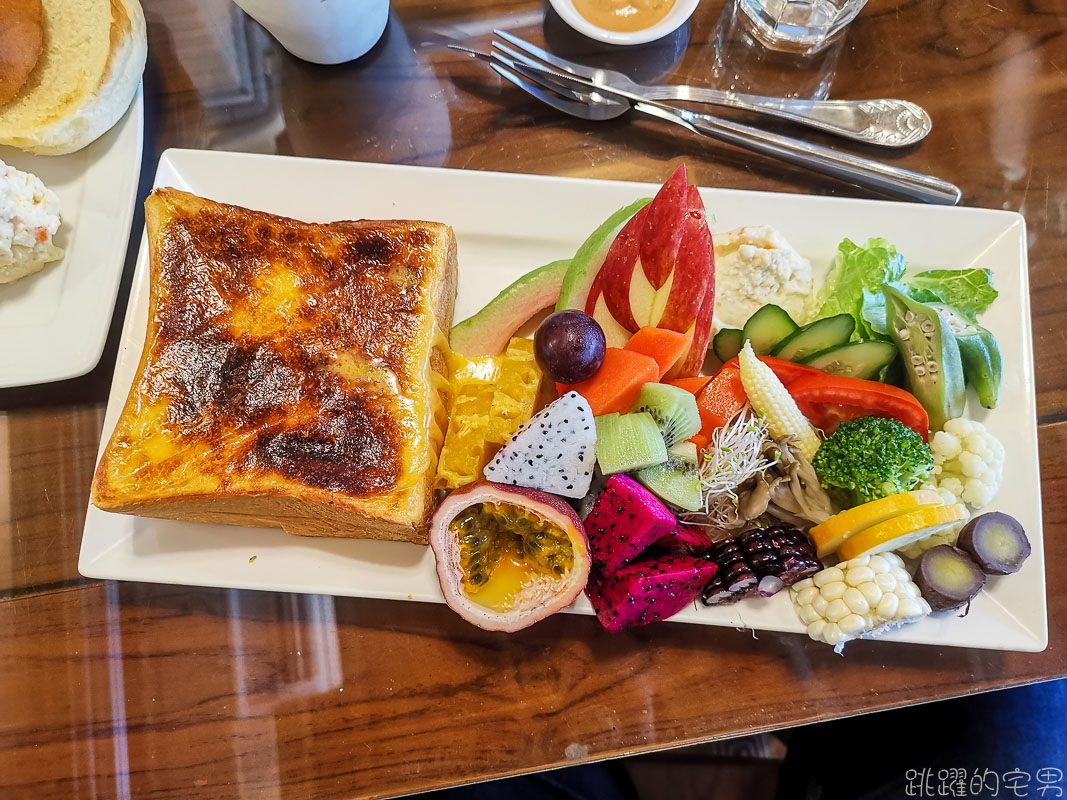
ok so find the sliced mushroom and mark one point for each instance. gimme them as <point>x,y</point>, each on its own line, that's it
<point>754,503</point>
<point>815,502</point>
<point>782,514</point>
<point>783,496</point>
<point>788,458</point>
<point>787,488</point>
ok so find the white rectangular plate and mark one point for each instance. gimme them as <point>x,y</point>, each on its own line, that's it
<point>507,224</point>
<point>53,325</point>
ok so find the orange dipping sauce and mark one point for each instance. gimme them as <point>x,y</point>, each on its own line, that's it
<point>624,16</point>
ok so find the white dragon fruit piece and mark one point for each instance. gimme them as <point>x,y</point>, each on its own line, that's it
<point>554,452</point>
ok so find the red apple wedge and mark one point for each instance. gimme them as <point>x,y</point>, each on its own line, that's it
<point>696,257</point>
<point>690,363</point>
<point>613,280</point>
<point>660,271</point>
<point>662,229</point>
<point>693,275</point>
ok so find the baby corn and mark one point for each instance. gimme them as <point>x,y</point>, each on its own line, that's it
<point>770,398</point>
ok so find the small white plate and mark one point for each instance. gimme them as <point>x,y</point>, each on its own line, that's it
<point>676,17</point>
<point>507,224</point>
<point>53,325</point>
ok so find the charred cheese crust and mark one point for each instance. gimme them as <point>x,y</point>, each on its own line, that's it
<point>292,373</point>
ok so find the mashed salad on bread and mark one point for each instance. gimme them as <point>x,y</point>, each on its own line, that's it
<point>29,218</point>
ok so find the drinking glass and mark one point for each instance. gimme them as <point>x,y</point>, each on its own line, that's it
<point>799,26</point>
<point>739,62</point>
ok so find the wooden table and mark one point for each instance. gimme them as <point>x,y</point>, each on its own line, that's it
<point>119,690</point>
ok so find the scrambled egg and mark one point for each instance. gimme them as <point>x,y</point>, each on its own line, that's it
<point>755,266</point>
<point>29,218</point>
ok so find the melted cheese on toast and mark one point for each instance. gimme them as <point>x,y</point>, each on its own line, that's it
<point>292,375</point>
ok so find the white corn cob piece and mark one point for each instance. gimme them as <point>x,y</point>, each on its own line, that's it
<point>770,398</point>
<point>856,599</point>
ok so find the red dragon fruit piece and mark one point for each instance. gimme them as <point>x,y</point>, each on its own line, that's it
<point>648,590</point>
<point>688,540</point>
<point>625,521</point>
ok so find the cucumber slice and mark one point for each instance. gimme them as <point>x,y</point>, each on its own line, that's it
<point>727,344</point>
<point>822,334</point>
<point>766,328</point>
<point>857,360</point>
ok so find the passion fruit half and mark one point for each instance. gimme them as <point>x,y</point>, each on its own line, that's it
<point>508,556</point>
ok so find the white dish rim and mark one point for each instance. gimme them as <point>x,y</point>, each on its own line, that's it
<point>676,17</point>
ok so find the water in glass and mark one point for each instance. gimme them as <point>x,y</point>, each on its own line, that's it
<point>799,25</point>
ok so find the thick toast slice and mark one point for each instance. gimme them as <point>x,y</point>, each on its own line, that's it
<point>292,373</point>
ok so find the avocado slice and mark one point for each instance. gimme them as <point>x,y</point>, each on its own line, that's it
<point>590,257</point>
<point>488,331</point>
<point>565,283</point>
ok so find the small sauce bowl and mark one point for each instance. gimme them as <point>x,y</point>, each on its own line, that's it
<point>676,17</point>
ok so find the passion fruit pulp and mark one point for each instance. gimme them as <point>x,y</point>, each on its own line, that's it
<point>508,556</point>
<point>504,548</point>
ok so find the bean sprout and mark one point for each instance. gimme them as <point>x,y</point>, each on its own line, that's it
<point>733,455</point>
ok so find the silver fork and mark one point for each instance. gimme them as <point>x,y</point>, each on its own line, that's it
<point>886,122</point>
<point>581,98</point>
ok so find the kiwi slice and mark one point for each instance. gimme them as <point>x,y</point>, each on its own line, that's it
<point>674,410</point>
<point>675,481</point>
<point>684,451</point>
<point>628,442</point>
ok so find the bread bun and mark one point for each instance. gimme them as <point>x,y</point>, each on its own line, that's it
<point>21,40</point>
<point>94,54</point>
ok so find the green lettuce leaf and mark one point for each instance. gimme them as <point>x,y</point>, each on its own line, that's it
<point>969,291</point>
<point>918,295</point>
<point>856,270</point>
<point>854,287</point>
<point>873,313</point>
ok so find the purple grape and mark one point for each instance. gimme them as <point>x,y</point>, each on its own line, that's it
<point>569,346</point>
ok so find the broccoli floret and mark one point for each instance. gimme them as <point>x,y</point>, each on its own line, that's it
<point>873,457</point>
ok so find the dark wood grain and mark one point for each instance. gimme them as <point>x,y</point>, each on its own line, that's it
<point>156,691</point>
<point>47,458</point>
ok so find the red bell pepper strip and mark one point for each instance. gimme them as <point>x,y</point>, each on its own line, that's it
<point>827,400</point>
<point>787,371</point>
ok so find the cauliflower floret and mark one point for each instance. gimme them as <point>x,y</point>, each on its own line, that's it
<point>960,427</point>
<point>968,463</point>
<point>972,464</point>
<point>978,493</point>
<point>946,445</point>
<point>950,490</point>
